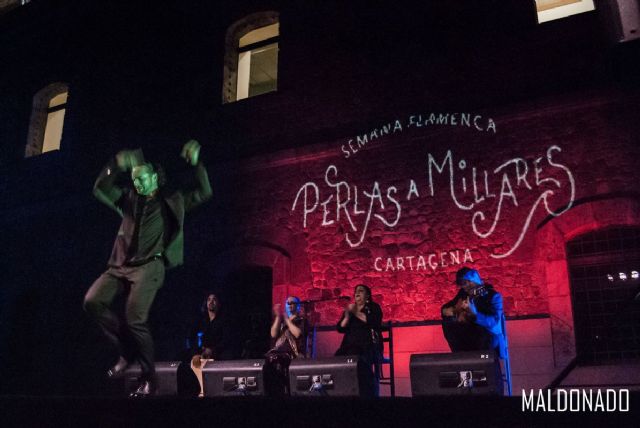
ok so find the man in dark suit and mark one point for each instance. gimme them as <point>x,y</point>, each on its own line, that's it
<point>149,240</point>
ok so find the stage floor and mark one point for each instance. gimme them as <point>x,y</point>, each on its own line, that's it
<point>454,411</point>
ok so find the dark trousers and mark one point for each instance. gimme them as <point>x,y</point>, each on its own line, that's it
<point>368,373</point>
<point>463,336</point>
<point>369,359</point>
<point>276,374</point>
<point>132,339</point>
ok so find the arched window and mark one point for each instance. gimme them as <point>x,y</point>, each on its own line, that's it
<point>47,119</point>
<point>251,57</point>
<point>604,271</point>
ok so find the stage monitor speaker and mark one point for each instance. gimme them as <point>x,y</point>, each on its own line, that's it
<point>458,373</point>
<point>335,376</point>
<point>622,18</point>
<point>167,376</point>
<point>233,378</point>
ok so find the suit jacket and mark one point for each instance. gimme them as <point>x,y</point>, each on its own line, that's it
<point>123,201</point>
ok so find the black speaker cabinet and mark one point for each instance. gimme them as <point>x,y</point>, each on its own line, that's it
<point>233,378</point>
<point>335,376</point>
<point>458,373</point>
<point>167,375</point>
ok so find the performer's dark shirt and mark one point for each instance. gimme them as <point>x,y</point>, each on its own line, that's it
<point>148,238</point>
<point>358,335</point>
<point>213,336</point>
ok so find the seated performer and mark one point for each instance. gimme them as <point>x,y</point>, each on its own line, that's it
<point>472,321</point>
<point>289,340</point>
<point>209,342</point>
<point>360,324</point>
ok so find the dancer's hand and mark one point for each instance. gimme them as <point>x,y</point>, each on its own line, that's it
<point>128,159</point>
<point>191,152</point>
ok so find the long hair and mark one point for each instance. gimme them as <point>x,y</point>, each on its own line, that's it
<point>203,307</point>
<point>367,291</point>
<point>158,169</point>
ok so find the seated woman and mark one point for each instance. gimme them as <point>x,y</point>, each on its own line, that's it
<point>289,339</point>
<point>360,324</point>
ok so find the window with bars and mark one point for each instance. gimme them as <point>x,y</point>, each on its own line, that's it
<point>604,271</point>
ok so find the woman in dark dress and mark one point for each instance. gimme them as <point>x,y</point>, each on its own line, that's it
<point>360,324</point>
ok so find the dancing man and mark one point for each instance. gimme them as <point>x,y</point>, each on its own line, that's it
<point>149,240</point>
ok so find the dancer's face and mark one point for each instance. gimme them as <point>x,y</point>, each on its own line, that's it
<point>144,180</point>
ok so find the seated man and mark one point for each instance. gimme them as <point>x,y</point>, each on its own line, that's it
<point>208,342</point>
<point>210,336</point>
<point>289,339</point>
<point>472,321</point>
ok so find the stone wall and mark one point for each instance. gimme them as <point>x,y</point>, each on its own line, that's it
<point>557,169</point>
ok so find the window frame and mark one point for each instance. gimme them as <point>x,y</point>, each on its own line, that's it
<point>39,116</point>
<point>232,50</point>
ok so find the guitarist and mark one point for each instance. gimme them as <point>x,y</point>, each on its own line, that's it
<point>472,320</point>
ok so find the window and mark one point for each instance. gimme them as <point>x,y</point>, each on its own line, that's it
<point>258,62</point>
<point>605,284</point>
<point>548,10</point>
<point>55,120</point>
<point>47,119</point>
<point>251,58</point>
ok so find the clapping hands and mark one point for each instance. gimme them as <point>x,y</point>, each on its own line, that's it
<point>350,309</point>
<point>277,310</point>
